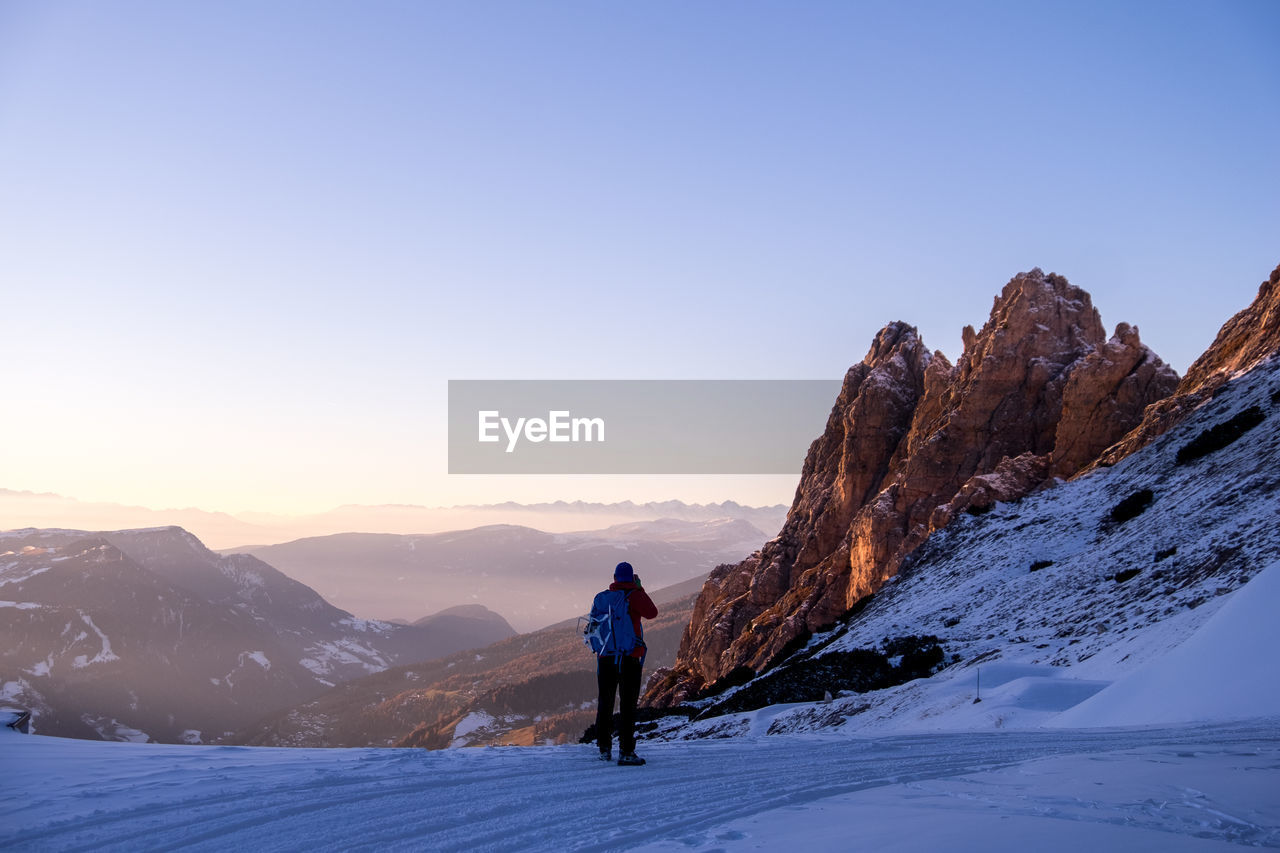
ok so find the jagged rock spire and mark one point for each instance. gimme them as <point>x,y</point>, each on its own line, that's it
<point>1037,392</point>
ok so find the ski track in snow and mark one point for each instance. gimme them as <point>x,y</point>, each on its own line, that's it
<point>83,795</point>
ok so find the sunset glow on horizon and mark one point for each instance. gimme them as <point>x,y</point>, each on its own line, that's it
<point>244,247</point>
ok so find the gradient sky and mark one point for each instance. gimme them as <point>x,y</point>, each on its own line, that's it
<point>244,245</point>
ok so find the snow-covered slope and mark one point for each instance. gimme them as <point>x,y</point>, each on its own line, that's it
<point>1179,789</point>
<point>1226,670</point>
<point>1049,600</point>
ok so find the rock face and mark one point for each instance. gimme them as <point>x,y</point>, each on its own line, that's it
<point>1250,337</point>
<point>1038,392</point>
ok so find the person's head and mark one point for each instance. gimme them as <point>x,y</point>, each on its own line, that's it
<point>624,573</point>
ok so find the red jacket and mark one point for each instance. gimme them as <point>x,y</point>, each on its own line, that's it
<point>640,605</point>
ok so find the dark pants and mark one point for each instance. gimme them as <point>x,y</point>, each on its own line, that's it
<point>624,677</point>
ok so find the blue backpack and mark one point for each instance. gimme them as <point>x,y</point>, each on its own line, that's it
<point>609,628</point>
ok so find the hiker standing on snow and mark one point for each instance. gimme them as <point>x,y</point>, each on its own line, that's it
<point>620,659</point>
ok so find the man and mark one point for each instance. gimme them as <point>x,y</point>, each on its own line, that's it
<point>621,672</point>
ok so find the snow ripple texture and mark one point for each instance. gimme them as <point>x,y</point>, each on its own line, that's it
<point>1190,787</point>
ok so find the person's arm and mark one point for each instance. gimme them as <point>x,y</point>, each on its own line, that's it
<point>642,605</point>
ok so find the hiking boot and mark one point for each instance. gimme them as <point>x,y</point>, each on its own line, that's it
<point>629,759</point>
<point>606,755</point>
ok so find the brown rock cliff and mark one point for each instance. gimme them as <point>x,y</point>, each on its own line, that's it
<point>1251,336</point>
<point>911,440</point>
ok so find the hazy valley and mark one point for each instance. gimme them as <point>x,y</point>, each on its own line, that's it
<point>146,634</point>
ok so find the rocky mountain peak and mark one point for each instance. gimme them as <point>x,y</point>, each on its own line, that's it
<point>1036,313</point>
<point>913,439</point>
<point>890,339</point>
<point>1246,340</point>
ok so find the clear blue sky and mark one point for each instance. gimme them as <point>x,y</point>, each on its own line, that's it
<point>244,245</point>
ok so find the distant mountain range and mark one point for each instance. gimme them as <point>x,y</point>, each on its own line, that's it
<point>139,634</point>
<point>531,577</point>
<point>147,634</point>
<point>532,689</point>
<point>20,509</point>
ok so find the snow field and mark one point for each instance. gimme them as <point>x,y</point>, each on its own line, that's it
<point>1155,798</point>
<point>1172,788</point>
<point>1227,669</point>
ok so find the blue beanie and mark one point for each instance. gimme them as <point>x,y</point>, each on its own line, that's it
<point>624,573</point>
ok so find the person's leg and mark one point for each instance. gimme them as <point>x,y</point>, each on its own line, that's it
<point>607,681</point>
<point>629,695</point>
